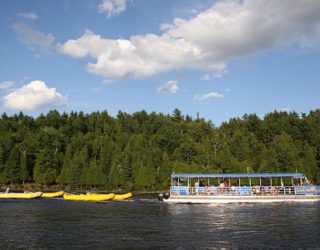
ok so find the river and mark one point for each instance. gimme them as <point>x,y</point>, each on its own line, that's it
<point>145,223</point>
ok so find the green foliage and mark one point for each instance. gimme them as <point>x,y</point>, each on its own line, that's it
<point>163,172</point>
<point>93,176</point>
<point>146,176</point>
<point>140,150</point>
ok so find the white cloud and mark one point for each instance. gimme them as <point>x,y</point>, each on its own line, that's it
<point>112,7</point>
<point>34,38</point>
<point>231,29</point>
<point>206,77</point>
<point>29,15</point>
<point>208,96</point>
<point>141,56</point>
<point>218,73</point>
<point>171,87</point>
<point>5,84</point>
<point>32,96</point>
<point>227,30</point>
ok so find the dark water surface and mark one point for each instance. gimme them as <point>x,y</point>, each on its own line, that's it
<point>145,223</point>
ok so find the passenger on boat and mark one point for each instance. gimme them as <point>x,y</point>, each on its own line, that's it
<point>221,188</point>
<point>196,187</point>
<point>273,190</point>
<point>208,190</point>
<point>227,188</point>
<point>233,189</point>
<point>256,189</point>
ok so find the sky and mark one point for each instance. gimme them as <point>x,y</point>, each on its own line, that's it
<point>219,59</point>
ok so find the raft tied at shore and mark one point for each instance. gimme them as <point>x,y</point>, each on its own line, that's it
<point>26,195</point>
<point>53,195</point>
<point>88,197</point>
<point>120,197</point>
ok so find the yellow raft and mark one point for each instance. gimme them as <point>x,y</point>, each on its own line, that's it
<point>120,197</point>
<point>53,195</point>
<point>27,195</point>
<point>88,197</point>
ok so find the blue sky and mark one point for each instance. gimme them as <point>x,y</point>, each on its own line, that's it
<point>220,59</point>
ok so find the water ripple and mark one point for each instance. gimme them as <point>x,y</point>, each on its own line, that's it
<point>145,223</point>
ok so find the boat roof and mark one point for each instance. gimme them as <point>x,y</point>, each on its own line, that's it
<point>238,175</point>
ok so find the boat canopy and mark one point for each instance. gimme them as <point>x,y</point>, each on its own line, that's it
<point>239,175</point>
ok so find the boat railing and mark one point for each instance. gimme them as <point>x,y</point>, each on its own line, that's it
<point>246,190</point>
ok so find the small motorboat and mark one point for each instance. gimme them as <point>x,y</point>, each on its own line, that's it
<point>53,195</point>
<point>88,197</point>
<point>120,197</point>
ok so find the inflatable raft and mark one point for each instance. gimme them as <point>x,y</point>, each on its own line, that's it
<point>27,195</point>
<point>53,195</point>
<point>88,197</point>
<point>120,197</point>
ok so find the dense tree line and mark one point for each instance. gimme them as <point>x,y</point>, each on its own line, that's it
<point>139,151</point>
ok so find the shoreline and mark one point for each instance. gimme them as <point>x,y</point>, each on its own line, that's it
<point>32,187</point>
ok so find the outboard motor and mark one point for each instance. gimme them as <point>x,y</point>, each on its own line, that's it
<point>163,196</point>
<point>166,195</point>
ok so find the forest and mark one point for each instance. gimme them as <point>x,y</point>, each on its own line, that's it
<point>139,151</point>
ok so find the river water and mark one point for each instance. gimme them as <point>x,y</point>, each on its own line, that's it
<point>145,223</point>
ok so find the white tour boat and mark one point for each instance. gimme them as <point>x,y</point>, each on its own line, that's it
<point>240,188</point>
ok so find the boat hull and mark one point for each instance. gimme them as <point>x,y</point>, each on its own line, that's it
<point>88,197</point>
<point>242,199</point>
<point>30,195</point>
<point>120,197</point>
<point>53,195</point>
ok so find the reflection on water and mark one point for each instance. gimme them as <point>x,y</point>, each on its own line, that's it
<point>144,222</point>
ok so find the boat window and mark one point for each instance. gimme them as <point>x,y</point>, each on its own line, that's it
<point>244,182</point>
<point>234,182</point>
<point>265,181</point>
<point>287,181</point>
<point>175,181</point>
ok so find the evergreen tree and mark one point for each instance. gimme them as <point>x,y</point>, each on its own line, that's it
<point>146,176</point>
<point>12,168</point>
<point>141,150</point>
<point>164,172</point>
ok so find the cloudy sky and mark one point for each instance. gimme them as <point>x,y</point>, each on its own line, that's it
<point>220,59</point>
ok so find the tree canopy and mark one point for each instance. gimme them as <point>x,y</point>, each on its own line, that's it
<point>139,151</point>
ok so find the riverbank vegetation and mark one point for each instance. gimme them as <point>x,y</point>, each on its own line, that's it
<point>139,151</point>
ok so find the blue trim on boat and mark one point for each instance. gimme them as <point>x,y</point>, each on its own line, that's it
<point>239,175</point>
